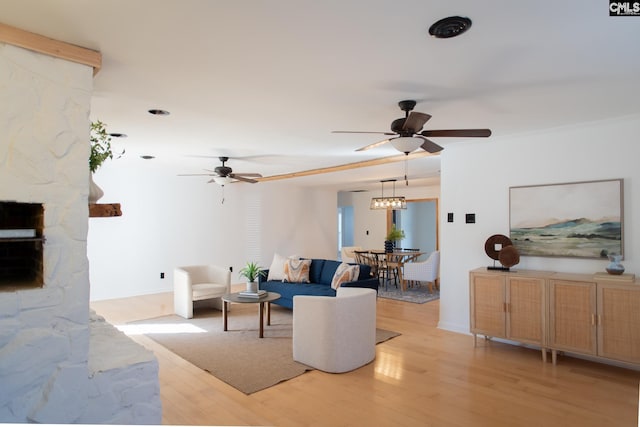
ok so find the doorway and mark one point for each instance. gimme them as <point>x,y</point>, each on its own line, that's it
<point>345,228</point>
<point>420,224</point>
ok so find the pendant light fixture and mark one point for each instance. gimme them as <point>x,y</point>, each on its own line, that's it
<point>388,203</point>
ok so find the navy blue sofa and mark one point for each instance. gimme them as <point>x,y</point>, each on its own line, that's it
<point>321,273</point>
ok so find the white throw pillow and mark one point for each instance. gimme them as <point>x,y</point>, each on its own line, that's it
<point>276,271</point>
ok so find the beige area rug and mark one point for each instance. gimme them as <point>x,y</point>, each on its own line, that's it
<point>237,357</point>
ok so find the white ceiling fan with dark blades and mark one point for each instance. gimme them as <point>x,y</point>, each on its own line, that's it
<point>408,136</point>
<point>224,174</point>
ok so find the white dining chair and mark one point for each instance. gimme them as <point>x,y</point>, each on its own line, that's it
<point>347,253</point>
<point>424,271</point>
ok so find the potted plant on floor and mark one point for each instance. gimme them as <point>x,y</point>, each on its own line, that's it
<point>251,272</point>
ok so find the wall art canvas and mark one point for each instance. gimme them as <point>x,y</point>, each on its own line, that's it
<point>580,219</point>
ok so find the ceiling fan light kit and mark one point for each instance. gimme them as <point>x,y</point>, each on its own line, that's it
<point>221,180</point>
<point>406,144</point>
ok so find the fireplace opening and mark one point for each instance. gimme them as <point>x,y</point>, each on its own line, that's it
<point>21,245</point>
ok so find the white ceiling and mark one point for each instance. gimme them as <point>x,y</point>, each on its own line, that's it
<point>268,81</point>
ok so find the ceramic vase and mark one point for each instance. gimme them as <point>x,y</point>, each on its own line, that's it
<point>95,192</point>
<point>252,286</point>
<point>614,266</point>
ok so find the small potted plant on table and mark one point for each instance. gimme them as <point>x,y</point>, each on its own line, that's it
<point>392,237</point>
<point>251,272</point>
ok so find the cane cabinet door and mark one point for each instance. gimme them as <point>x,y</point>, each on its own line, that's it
<point>488,299</point>
<point>572,316</point>
<point>619,322</point>
<point>526,309</point>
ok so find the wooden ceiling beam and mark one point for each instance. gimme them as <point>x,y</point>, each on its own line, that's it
<point>346,167</point>
<point>45,45</point>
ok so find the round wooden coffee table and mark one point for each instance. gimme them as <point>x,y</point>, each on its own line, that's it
<point>237,298</point>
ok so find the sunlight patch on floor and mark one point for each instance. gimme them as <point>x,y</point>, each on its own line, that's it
<point>160,328</point>
<point>389,365</point>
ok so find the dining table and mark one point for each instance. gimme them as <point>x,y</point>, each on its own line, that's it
<point>395,259</point>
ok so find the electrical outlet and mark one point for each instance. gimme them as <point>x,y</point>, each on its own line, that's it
<point>162,275</point>
<point>470,218</point>
<point>450,217</point>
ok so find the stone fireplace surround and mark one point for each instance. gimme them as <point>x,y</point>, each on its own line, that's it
<point>21,242</point>
<point>59,363</point>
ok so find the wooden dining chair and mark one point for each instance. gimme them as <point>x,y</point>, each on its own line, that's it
<point>365,257</point>
<point>359,256</point>
<point>391,266</point>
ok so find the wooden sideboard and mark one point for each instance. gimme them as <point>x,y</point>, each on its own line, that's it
<point>595,315</point>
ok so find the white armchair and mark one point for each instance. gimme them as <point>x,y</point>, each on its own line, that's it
<point>424,271</point>
<point>347,253</point>
<point>335,334</point>
<point>199,282</point>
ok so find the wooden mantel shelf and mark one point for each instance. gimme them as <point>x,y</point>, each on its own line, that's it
<point>51,47</point>
<point>99,210</point>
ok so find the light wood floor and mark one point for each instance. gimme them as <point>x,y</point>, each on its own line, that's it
<point>425,377</point>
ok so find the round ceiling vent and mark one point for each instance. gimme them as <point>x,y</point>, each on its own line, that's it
<point>450,27</point>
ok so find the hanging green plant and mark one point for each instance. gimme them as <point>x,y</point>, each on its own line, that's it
<point>100,146</point>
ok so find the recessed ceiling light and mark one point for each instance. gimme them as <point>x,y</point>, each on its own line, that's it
<point>451,26</point>
<point>118,135</point>
<point>157,112</point>
<point>147,157</point>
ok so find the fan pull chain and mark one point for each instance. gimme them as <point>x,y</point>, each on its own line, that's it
<point>222,203</point>
<point>406,169</point>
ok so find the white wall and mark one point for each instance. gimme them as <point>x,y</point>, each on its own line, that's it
<point>420,218</point>
<point>476,177</point>
<point>169,221</point>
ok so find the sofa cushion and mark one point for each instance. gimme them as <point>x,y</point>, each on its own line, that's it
<point>288,290</point>
<point>315,270</point>
<point>297,270</point>
<point>328,270</point>
<point>345,273</point>
<point>365,272</point>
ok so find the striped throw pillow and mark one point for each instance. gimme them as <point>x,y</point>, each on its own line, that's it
<point>297,270</point>
<point>345,273</point>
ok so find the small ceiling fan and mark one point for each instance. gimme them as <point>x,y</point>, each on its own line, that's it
<point>408,135</point>
<point>224,174</point>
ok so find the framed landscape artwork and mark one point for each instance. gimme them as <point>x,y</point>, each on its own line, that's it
<point>579,219</point>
